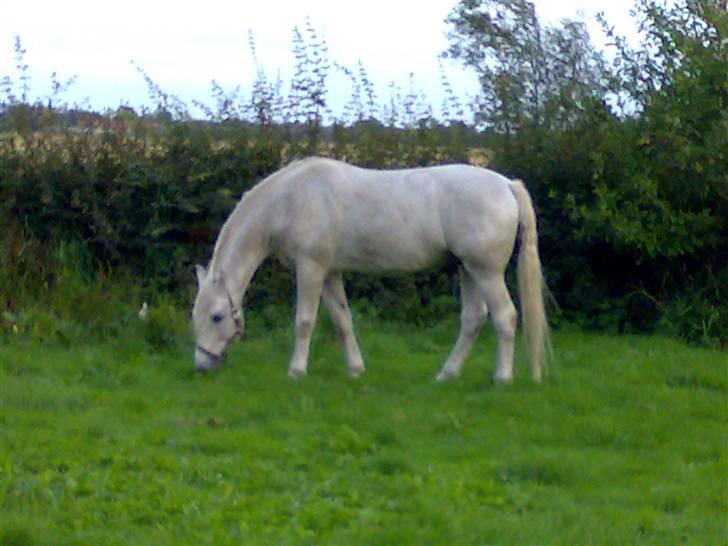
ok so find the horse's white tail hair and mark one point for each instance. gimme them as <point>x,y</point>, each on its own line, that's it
<point>530,283</point>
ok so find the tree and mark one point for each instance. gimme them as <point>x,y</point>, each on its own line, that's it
<point>528,72</point>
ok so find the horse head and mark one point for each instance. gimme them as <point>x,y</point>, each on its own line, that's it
<point>216,319</point>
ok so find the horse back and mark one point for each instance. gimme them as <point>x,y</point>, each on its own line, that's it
<point>398,220</point>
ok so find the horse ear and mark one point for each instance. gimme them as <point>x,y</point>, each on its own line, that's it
<point>201,274</point>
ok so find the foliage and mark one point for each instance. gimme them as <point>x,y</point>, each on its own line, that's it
<point>528,72</point>
<point>626,162</point>
<point>633,204</point>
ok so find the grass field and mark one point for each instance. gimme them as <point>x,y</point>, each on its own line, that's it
<point>112,443</point>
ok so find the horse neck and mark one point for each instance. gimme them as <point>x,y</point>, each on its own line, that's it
<point>240,252</point>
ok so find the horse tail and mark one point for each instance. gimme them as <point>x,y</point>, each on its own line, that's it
<point>530,282</point>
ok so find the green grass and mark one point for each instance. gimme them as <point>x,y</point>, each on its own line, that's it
<point>112,443</point>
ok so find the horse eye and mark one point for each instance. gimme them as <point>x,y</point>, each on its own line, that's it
<point>217,317</point>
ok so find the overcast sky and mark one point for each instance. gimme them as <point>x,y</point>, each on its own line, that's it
<point>183,46</point>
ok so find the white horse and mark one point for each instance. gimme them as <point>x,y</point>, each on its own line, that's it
<point>322,217</point>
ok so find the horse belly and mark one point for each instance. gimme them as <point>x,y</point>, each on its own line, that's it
<point>372,251</point>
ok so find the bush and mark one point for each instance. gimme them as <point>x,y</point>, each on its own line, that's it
<point>632,206</point>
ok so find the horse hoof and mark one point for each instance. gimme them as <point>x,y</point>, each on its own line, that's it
<point>503,379</point>
<point>296,374</point>
<point>442,377</point>
<point>356,373</point>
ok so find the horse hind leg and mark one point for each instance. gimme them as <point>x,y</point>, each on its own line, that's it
<point>334,297</point>
<point>493,290</point>
<point>309,283</point>
<point>472,317</point>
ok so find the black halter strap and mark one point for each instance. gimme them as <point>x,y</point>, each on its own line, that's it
<point>210,354</point>
<point>235,313</point>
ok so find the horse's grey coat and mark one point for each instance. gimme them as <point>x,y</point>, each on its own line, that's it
<point>323,217</point>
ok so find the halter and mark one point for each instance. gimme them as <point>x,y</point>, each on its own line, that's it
<point>236,316</point>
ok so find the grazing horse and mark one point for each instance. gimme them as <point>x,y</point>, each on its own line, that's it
<point>322,217</point>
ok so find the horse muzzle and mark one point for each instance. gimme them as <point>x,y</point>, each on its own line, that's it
<point>207,361</point>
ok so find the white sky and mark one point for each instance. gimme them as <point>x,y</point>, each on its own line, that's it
<point>184,45</point>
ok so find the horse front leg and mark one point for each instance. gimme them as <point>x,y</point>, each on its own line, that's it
<point>334,297</point>
<point>309,282</point>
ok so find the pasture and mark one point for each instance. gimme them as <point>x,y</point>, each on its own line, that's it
<point>114,443</point>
